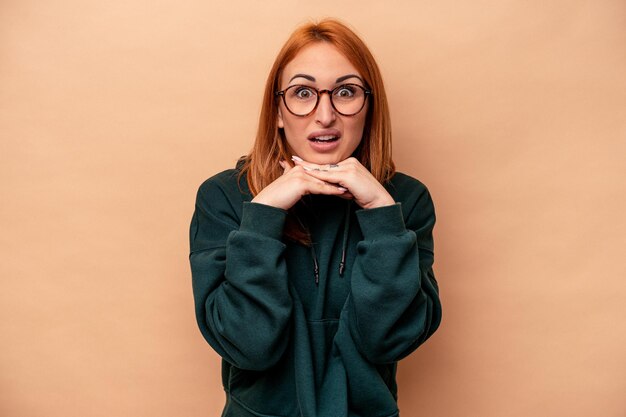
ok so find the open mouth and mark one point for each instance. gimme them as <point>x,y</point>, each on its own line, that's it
<point>324,139</point>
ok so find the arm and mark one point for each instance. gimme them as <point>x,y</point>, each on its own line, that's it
<point>394,305</point>
<point>239,276</point>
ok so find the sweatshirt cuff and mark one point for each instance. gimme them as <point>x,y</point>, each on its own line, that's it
<point>263,219</point>
<point>381,221</point>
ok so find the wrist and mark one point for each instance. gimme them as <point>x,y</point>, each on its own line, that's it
<point>381,202</point>
<point>260,199</point>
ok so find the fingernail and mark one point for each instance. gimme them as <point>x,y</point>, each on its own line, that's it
<point>307,168</point>
<point>342,189</point>
<point>295,158</point>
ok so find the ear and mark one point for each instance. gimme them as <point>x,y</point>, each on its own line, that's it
<point>279,119</point>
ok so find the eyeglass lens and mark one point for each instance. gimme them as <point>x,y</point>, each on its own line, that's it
<point>347,99</point>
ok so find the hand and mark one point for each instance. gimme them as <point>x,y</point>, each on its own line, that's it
<point>360,183</point>
<point>288,189</point>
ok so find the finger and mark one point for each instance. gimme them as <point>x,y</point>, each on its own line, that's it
<point>285,166</point>
<point>317,167</point>
<point>335,177</point>
<point>322,187</point>
<point>329,189</point>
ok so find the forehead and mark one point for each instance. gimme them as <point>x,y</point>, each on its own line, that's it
<point>320,60</point>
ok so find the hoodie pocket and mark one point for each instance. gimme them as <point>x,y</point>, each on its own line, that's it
<point>268,393</point>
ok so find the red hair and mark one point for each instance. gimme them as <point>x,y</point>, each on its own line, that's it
<point>374,152</point>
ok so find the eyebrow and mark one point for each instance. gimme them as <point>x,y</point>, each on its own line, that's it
<point>308,77</point>
<point>338,80</point>
<point>345,77</point>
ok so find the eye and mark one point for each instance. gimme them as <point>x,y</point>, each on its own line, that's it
<point>345,91</point>
<point>303,93</point>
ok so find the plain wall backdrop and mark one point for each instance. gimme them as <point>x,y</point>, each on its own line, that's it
<point>513,113</point>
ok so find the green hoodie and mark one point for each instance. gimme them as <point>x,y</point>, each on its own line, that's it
<point>297,337</point>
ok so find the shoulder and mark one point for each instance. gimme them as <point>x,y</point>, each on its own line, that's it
<point>404,188</point>
<point>224,180</point>
<point>230,181</point>
<point>226,189</point>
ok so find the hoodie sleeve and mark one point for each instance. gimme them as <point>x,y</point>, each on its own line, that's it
<point>394,305</point>
<point>239,277</point>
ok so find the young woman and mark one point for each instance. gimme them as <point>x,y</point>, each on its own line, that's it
<point>312,259</point>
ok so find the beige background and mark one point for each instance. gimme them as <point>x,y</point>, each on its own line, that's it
<point>112,114</point>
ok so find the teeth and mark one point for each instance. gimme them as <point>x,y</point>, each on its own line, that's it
<point>328,137</point>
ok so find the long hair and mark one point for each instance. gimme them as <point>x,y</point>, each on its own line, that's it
<point>374,152</point>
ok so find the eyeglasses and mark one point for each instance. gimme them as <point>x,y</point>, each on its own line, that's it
<point>346,99</point>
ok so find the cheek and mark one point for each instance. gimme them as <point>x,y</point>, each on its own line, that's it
<point>294,128</point>
<point>356,127</point>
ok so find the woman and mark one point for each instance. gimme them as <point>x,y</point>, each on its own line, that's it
<point>312,259</point>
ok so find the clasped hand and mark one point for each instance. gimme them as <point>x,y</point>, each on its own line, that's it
<point>347,179</point>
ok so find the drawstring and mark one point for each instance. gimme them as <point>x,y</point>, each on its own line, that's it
<point>316,268</point>
<point>346,229</point>
<point>344,247</point>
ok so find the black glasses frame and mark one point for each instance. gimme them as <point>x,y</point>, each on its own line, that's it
<point>330,93</point>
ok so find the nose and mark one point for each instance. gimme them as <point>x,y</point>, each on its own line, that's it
<point>325,113</point>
